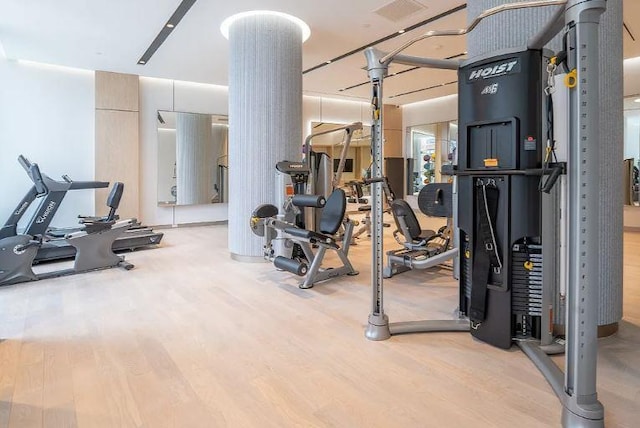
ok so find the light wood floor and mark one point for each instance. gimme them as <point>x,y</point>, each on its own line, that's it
<point>192,339</point>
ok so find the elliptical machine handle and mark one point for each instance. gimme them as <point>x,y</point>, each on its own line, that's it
<point>26,163</point>
<point>75,185</point>
<point>33,171</point>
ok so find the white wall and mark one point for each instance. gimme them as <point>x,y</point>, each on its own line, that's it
<point>431,111</point>
<point>47,113</point>
<point>631,76</point>
<point>331,110</point>
<point>163,94</point>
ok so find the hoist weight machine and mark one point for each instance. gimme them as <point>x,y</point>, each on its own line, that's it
<point>512,169</point>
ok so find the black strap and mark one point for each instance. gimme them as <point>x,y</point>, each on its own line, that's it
<point>486,257</point>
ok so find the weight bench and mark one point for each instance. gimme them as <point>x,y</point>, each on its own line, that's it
<point>422,249</point>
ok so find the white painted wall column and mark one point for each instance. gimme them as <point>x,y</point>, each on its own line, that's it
<point>265,117</point>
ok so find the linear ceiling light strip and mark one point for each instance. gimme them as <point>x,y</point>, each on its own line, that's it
<point>424,89</point>
<point>389,37</point>
<point>171,24</point>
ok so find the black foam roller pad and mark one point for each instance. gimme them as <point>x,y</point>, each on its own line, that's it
<point>315,201</point>
<point>290,265</point>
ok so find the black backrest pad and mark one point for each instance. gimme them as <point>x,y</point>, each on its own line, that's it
<point>436,200</point>
<point>401,208</point>
<point>116,194</point>
<point>333,212</point>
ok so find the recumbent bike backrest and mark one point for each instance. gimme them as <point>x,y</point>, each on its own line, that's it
<point>434,200</point>
<point>401,208</point>
<point>113,201</point>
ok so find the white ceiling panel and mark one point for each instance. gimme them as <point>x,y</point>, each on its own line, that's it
<point>113,35</point>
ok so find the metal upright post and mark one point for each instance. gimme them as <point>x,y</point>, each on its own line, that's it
<point>378,325</point>
<point>581,406</point>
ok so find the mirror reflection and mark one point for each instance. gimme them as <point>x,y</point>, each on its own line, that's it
<point>192,158</point>
<point>632,151</point>
<point>358,158</point>
<point>432,146</point>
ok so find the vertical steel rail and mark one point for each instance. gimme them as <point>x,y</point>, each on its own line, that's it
<point>378,323</point>
<point>582,407</point>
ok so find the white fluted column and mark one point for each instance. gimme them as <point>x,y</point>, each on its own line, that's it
<point>194,159</point>
<point>512,29</point>
<point>265,117</point>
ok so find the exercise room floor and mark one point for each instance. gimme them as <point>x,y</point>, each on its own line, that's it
<point>190,338</point>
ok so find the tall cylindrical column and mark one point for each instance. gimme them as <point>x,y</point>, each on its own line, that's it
<point>512,29</point>
<point>194,160</point>
<point>265,117</point>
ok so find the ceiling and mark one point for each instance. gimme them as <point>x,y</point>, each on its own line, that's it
<point>112,35</point>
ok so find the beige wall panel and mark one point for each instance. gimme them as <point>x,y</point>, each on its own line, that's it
<point>117,153</point>
<point>116,91</point>
<point>392,117</point>
<point>393,143</point>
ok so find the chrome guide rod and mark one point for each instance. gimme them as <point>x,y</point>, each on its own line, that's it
<point>307,141</point>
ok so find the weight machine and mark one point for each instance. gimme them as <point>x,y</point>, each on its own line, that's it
<point>488,186</point>
<point>291,233</point>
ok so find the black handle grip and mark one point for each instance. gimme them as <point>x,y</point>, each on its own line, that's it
<point>553,177</point>
<point>26,163</point>
<point>88,185</point>
<point>374,180</point>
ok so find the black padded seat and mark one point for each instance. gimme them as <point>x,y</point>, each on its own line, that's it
<point>330,221</point>
<point>364,208</point>
<point>401,208</point>
<point>333,212</point>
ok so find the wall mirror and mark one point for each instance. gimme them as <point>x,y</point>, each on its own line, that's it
<point>431,146</point>
<point>192,158</point>
<point>358,159</point>
<point>632,151</point>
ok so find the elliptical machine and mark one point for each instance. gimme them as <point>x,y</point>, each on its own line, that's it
<point>93,244</point>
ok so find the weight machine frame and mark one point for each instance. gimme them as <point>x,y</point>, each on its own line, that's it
<point>576,387</point>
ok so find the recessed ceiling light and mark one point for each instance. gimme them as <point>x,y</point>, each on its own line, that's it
<point>170,25</point>
<point>401,31</point>
<point>328,62</point>
<point>226,24</point>
<point>637,100</point>
<point>142,62</point>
